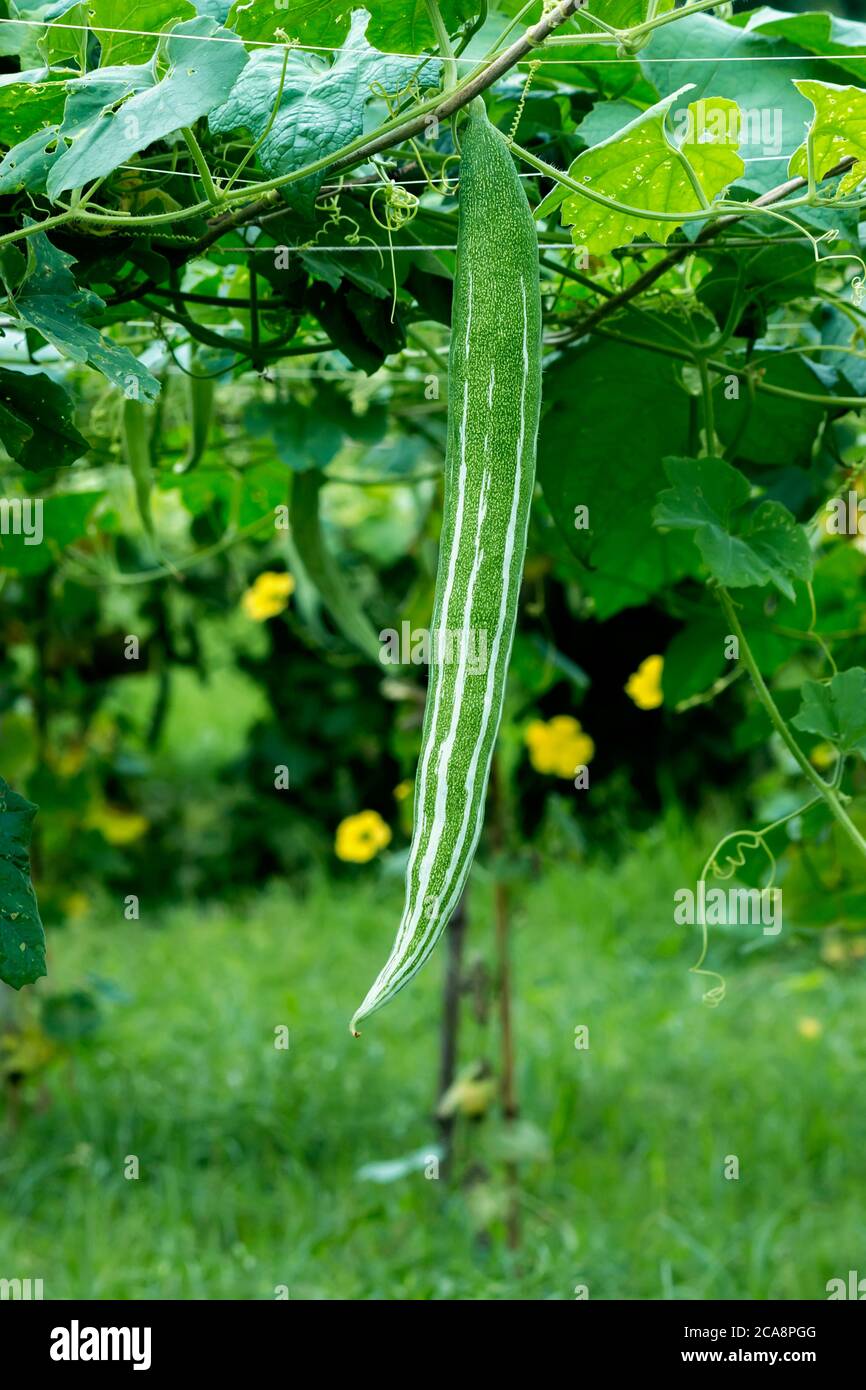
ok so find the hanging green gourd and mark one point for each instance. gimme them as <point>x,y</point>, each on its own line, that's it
<point>494,396</point>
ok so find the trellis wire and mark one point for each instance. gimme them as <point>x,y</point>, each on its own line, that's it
<point>428,57</point>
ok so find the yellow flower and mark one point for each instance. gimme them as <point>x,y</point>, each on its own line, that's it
<point>117,825</point>
<point>268,596</point>
<point>471,1094</point>
<point>76,905</point>
<point>70,760</point>
<point>822,756</point>
<point>359,838</point>
<point>644,685</point>
<point>559,747</point>
<point>834,952</point>
<point>809,1028</point>
<point>403,790</point>
<point>27,1051</point>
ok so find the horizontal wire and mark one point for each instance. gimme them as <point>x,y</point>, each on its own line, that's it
<point>444,246</point>
<point>405,183</point>
<point>427,57</point>
<point>452,246</point>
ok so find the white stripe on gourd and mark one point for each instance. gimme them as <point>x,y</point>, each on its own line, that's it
<point>493,404</point>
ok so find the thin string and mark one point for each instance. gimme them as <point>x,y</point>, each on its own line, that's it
<point>427,57</point>
<point>406,183</point>
<point>452,246</point>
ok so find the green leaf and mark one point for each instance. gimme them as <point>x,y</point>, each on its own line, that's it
<point>60,43</point>
<point>838,129</point>
<point>51,302</point>
<point>818,32</point>
<point>771,275</point>
<point>320,109</point>
<point>108,16</point>
<point>36,426</point>
<point>70,1017</point>
<point>642,165</point>
<point>27,164</point>
<point>22,937</point>
<point>360,326</point>
<point>836,711</point>
<point>624,560</point>
<point>709,498</point>
<point>322,570</point>
<point>773,430</point>
<point>837,328</point>
<point>89,98</point>
<point>308,434</point>
<point>29,101</point>
<point>694,659</point>
<point>63,520</point>
<point>720,60</point>
<point>198,76</point>
<point>396,26</point>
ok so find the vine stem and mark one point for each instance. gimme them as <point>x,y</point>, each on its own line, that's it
<point>449,1035</point>
<point>502,916</point>
<point>707,399</point>
<point>201,164</point>
<point>447,52</point>
<point>826,792</point>
<point>725,368</point>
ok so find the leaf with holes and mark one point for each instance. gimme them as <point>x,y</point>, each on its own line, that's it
<point>642,165</point>
<point>22,937</point>
<point>51,302</point>
<point>838,130</point>
<point>199,73</point>
<point>321,108</point>
<point>36,426</point>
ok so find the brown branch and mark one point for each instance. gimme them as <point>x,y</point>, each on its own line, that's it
<point>680,252</point>
<point>476,83</point>
<point>450,1026</point>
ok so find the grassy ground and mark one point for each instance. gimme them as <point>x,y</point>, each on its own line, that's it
<point>249,1155</point>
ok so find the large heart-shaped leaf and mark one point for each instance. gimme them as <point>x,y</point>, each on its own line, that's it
<point>198,76</point>
<point>320,108</point>
<point>837,130</point>
<point>643,166</point>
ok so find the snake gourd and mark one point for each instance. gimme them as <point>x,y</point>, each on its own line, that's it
<point>494,396</point>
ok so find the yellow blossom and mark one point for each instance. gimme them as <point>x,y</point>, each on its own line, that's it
<point>268,596</point>
<point>559,746</point>
<point>70,760</point>
<point>644,685</point>
<point>809,1028</point>
<point>117,825</point>
<point>823,756</point>
<point>834,952</point>
<point>76,905</point>
<point>359,838</point>
<point>403,790</point>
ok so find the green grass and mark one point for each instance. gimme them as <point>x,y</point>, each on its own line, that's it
<point>248,1155</point>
